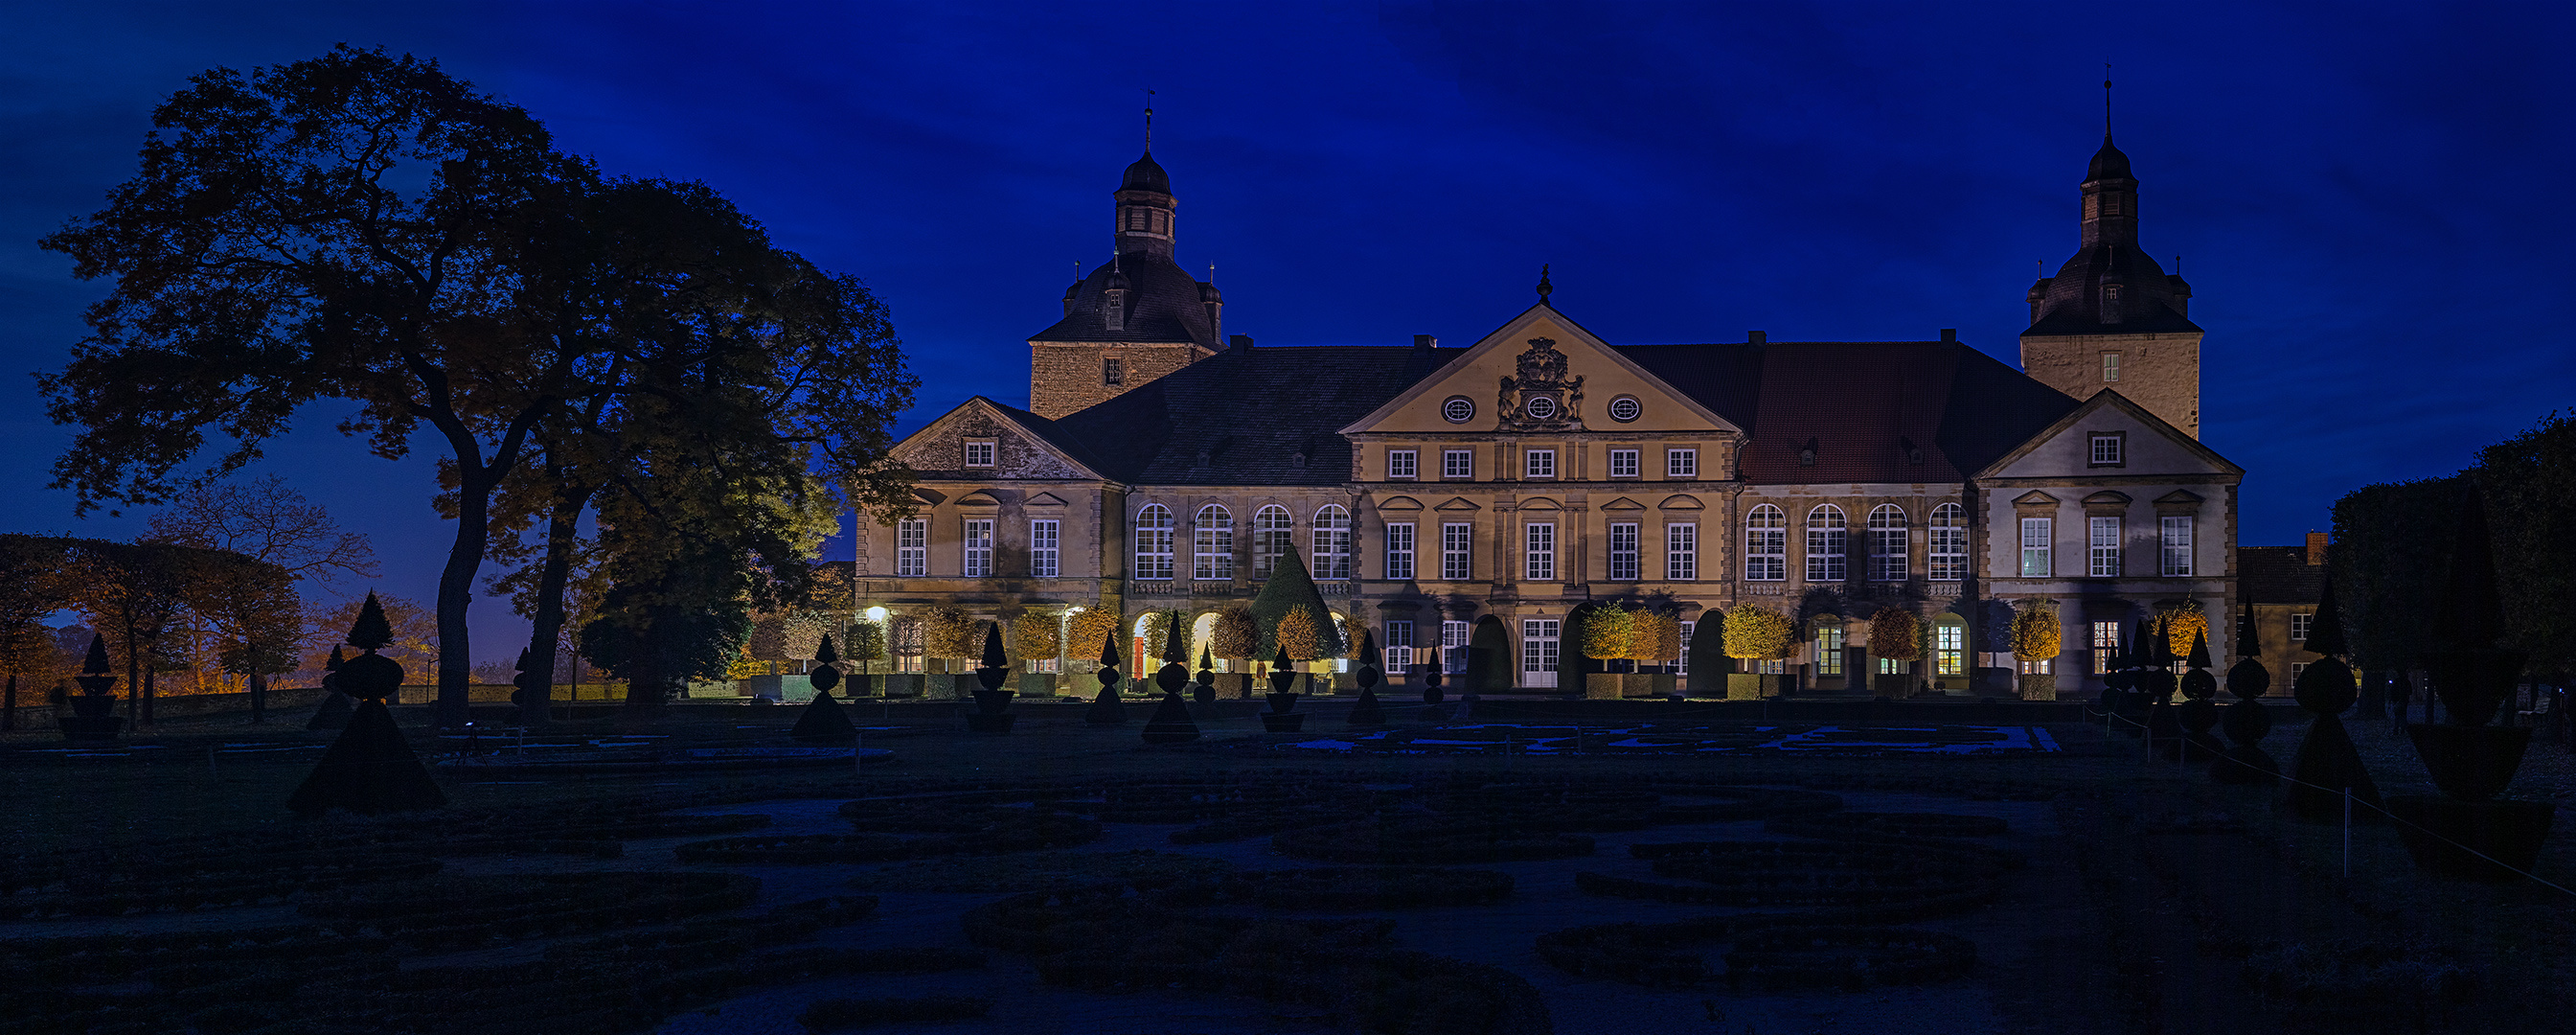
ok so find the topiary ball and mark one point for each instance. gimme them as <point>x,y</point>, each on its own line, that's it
<point>2158,684</point>
<point>2198,684</point>
<point>2249,679</point>
<point>2326,688</point>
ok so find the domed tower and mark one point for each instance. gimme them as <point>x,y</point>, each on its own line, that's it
<point>2111,317</point>
<point>1136,317</point>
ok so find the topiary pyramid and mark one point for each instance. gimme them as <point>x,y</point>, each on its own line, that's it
<point>335,709</point>
<point>2247,720</point>
<point>1106,709</point>
<point>1366,712</point>
<point>824,722</point>
<point>1204,691</point>
<point>370,768</point>
<point>2327,762</point>
<point>1290,588</point>
<point>1171,723</point>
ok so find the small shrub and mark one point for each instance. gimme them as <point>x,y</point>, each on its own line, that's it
<point>1758,633</point>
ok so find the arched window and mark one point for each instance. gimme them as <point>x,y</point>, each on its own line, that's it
<point>1888,543</point>
<point>1332,543</point>
<point>1828,537</point>
<point>1766,544</point>
<point>1949,557</point>
<point>1154,542</point>
<point>1273,537</point>
<point>1212,544</point>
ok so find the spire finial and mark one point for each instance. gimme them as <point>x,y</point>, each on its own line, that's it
<point>2106,101</point>
<point>1149,118</point>
<point>1543,286</point>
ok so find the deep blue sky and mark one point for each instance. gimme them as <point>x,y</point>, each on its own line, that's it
<point>2369,201</point>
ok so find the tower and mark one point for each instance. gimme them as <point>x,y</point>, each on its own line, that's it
<point>2111,317</point>
<point>1132,319</point>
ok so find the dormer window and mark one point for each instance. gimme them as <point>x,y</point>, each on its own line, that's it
<point>979,452</point>
<point>2111,303</point>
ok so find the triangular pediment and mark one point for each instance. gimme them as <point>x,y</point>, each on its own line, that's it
<point>1540,374</point>
<point>1623,503</point>
<point>1458,503</point>
<point>1020,446</point>
<point>1044,499</point>
<point>2147,446</point>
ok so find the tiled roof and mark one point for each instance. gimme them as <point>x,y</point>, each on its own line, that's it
<point>2279,575</point>
<point>1163,305</point>
<point>1260,416</point>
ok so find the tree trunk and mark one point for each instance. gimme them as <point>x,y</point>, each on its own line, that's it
<point>547,625</point>
<point>146,695</point>
<point>9,705</point>
<point>645,689</point>
<point>455,589</point>
<point>258,686</point>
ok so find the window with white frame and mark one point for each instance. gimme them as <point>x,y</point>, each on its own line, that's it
<point>1046,539</point>
<point>979,452</point>
<point>2110,367</point>
<point>1332,542</point>
<point>2106,646</point>
<point>1457,463</point>
<point>1949,649</point>
<point>1949,554</point>
<point>1154,542</point>
<point>1828,537</point>
<point>1681,665</point>
<point>1538,651</point>
<point>1399,549</point>
<point>2035,547</point>
<point>1681,551</point>
<point>2107,451</point>
<point>1399,645</point>
<point>978,548</point>
<point>912,546</point>
<point>1212,544</point>
<point>1829,650</point>
<point>1274,535</point>
<point>1453,646</point>
<point>2297,669</point>
<point>1455,560</point>
<point>1541,463</point>
<point>2039,667</point>
<point>1402,463</point>
<point>1681,463</point>
<point>1623,551</point>
<point>1889,542</point>
<point>1766,544</point>
<point>2102,550</point>
<point>1623,463</point>
<point>1539,559</point>
<point>2176,551</point>
<point>2300,623</point>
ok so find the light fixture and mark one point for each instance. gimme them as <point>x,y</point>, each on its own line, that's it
<point>877,614</point>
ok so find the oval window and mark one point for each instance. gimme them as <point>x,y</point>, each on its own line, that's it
<point>1539,407</point>
<point>1459,409</point>
<point>1625,408</point>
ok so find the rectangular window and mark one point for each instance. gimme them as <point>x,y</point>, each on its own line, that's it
<point>2299,624</point>
<point>1399,647</point>
<point>1681,463</point>
<point>1950,650</point>
<point>1949,553</point>
<point>1623,551</point>
<point>2108,449</point>
<point>1681,552</point>
<point>2102,550</point>
<point>1111,373</point>
<point>2035,547</point>
<point>1538,652</point>
<point>1681,665</point>
<point>1401,463</point>
<point>1045,539</point>
<point>912,546</point>
<point>2177,547</point>
<point>2106,645</point>
<point>1890,667</point>
<point>1453,646</point>
<point>2110,366</point>
<point>1454,558</point>
<point>979,454</point>
<point>1540,557</point>
<point>1623,463</point>
<point>1457,463</point>
<point>979,548</point>
<point>2036,668</point>
<point>1541,463</point>
<point>2297,668</point>
<point>1399,550</point>
<point>1829,650</point>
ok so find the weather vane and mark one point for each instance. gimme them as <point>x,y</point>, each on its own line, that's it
<point>1149,119</point>
<point>2106,100</point>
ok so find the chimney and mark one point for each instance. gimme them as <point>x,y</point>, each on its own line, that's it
<point>1949,335</point>
<point>2316,548</point>
<point>1425,342</point>
<point>1755,337</point>
<point>1238,342</point>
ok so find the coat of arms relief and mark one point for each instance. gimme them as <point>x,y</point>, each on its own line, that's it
<point>1541,398</point>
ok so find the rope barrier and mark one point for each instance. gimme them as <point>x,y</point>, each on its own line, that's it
<point>2349,801</point>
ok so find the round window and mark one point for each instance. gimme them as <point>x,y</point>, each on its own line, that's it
<point>1625,408</point>
<point>1459,409</point>
<point>1539,407</point>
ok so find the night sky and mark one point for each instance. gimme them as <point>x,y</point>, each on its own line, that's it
<point>2370,202</point>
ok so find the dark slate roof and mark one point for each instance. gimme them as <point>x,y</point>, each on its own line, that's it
<point>1244,416</point>
<point>1146,174</point>
<point>2279,575</point>
<point>1163,305</point>
<point>2074,295</point>
<point>2108,163</point>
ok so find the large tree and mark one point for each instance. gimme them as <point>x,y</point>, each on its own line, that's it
<point>2529,483</point>
<point>269,521</point>
<point>29,592</point>
<point>2392,550</point>
<point>356,226</point>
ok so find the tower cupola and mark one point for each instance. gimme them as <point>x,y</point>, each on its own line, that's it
<point>1145,209</point>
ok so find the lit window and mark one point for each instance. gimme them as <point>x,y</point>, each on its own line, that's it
<point>1045,540</point>
<point>2102,550</point>
<point>2106,449</point>
<point>1827,537</point>
<point>1400,463</point>
<point>1455,563</point>
<point>1950,650</point>
<point>1766,544</point>
<point>1889,542</point>
<point>1212,544</point>
<point>1681,552</point>
<point>912,546</point>
<point>979,454</point>
<point>1332,543</point>
<point>2176,547</point>
<point>2035,562</point>
<point>1273,537</point>
<point>1540,557</point>
<point>1829,650</point>
<point>1457,463</point>
<point>1154,542</point>
<point>1681,463</point>
<point>979,548</point>
<point>1542,463</point>
<point>2036,668</point>
<point>1623,463</point>
<point>1623,551</point>
<point>1399,550</point>
<point>1949,543</point>
<point>2106,645</point>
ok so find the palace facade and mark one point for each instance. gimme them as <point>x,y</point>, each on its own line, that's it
<point>1164,465</point>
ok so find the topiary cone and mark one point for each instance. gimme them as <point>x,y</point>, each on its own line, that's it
<point>1106,709</point>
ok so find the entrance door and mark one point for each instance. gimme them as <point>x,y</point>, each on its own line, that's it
<point>1538,652</point>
